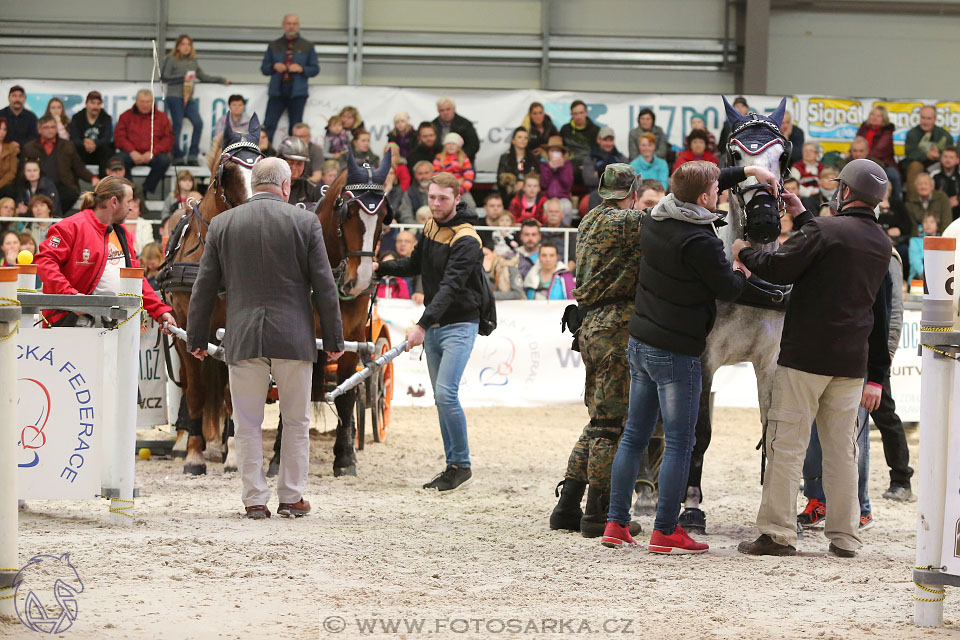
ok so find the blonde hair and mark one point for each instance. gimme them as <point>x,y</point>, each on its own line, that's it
<point>151,251</point>
<point>884,116</point>
<point>107,188</point>
<point>4,201</point>
<point>183,173</point>
<point>176,46</point>
<point>691,179</point>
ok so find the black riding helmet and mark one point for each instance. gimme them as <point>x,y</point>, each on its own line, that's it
<point>866,180</point>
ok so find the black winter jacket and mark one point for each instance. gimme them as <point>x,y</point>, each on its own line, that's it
<point>683,272</point>
<point>450,273</point>
<point>837,266</point>
<point>462,126</point>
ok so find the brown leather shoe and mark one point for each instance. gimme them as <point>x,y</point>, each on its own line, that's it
<point>840,552</point>
<point>258,512</point>
<point>766,546</point>
<point>297,509</point>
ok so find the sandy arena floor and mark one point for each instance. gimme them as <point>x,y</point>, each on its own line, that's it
<point>465,564</point>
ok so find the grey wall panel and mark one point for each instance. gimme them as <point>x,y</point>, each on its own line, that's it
<point>99,11</point>
<point>641,81</point>
<point>459,76</point>
<point>635,18</point>
<point>484,16</point>
<point>314,14</point>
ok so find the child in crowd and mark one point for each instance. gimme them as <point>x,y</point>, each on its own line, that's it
<point>178,197</point>
<point>337,141</point>
<point>391,287</point>
<point>930,227</point>
<point>807,171</point>
<point>453,160</point>
<point>331,170</point>
<point>529,202</point>
<point>361,149</point>
<point>151,257</point>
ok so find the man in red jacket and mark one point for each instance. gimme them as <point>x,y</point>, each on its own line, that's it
<point>83,254</point>
<point>132,138</point>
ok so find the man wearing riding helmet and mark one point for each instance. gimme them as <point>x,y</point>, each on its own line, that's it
<point>294,151</point>
<point>837,266</point>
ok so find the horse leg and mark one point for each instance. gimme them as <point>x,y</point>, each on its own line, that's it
<point>229,446</point>
<point>344,457</point>
<point>693,518</point>
<point>274,467</point>
<point>183,416</point>
<point>194,464</point>
<point>213,450</point>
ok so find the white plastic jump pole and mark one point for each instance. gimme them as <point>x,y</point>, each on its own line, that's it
<point>936,386</point>
<point>173,391</point>
<point>27,282</point>
<point>8,445</point>
<point>125,410</point>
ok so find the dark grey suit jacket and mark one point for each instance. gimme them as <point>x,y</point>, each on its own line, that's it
<point>267,255</point>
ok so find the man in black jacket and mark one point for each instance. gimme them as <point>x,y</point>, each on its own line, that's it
<point>836,265</point>
<point>449,260</point>
<point>683,270</point>
<point>449,121</point>
<point>91,131</point>
<point>580,135</point>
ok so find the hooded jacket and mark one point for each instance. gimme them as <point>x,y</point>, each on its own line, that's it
<point>683,271</point>
<point>560,286</point>
<point>450,273</point>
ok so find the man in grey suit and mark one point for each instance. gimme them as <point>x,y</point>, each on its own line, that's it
<point>270,258</point>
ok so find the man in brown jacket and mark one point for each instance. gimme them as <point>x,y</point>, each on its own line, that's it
<point>58,161</point>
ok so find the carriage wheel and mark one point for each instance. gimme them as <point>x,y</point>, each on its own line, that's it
<point>383,393</point>
<point>361,418</point>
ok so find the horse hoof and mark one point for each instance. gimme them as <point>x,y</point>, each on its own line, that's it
<point>273,469</point>
<point>230,469</point>
<point>345,471</point>
<point>195,469</point>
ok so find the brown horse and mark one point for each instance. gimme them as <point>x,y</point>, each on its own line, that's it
<point>205,383</point>
<point>352,213</point>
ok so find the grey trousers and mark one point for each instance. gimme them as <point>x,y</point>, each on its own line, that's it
<point>249,382</point>
<point>798,398</point>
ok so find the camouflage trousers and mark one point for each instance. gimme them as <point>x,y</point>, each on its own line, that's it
<point>606,394</point>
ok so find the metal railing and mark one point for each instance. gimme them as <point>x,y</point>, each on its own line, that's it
<point>564,251</point>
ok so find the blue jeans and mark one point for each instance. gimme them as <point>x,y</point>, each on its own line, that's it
<point>276,105</point>
<point>158,168</point>
<point>177,112</point>
<point>813,464</point>
<point>665,383</point>
<point>448,349</point>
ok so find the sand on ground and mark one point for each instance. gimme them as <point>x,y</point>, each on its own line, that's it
<point>481,563</point>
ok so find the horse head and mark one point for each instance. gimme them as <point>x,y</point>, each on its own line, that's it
<point>355,207</point>
<point>234,166</point>
<point>756,140</point>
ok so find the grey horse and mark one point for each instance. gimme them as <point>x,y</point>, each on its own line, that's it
<point>747,330</point>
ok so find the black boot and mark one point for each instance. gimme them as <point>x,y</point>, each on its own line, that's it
<point>567,513</point>
<point>594,519</point>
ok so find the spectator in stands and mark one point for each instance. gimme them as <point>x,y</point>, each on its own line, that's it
<point>351,121</point>
<point>331,171</point>
<point>28,243</point>
<point>551,280</point>
<point>699,123</point>
<point>151,257</point>
<point>402,134</point>
<point>529,202</point>
<point>179,72</point>
<point>399,165</point>
<point>427,146</point>
<point>10,244</point>
<point>786,226</point>
<point>314,152</point>
<point>8,209</point>
<point>605,152</point>
<point>91,131</point>
<point>922,147</point>
<point>266,147</point>
<point>116,166</point>
<point>178,197</point>
<point>454,160</point>
<point>132,137</point>
<point>55,109</point>
<point>403,246</point>
<point>417,193</point>
<point>515,164</point>
<point>40,207</point>
<point>293,151</point>
<point>397,197</point>
<point>59,162</point>
<point>504,278</point>
<point>9,158</point>
<point>894,219</point>
<point>792,185</point>
<point>361,149</point>
<point>30,182</point>
<point>540,126</point>
<point>449,121</point>
<point>696,149</point>
<point>794,135</point>
<point>237,113</point>
<point>139,228</point>
<point>505,240</point>
<point>21,122</point>
<point>927,200</point>
<point>529,249</point>
<point>740,104</point>
<point>566,243</point>
<point>650,193</point>
<point>946,179</point>
<point>878,132</point>
<point>807,171</point>
<point>289,61</point>
<point>819,203</point>
<point>646,123</point>
<point>337,141</point>
<point>580,136</point>
<point>930,226</point>
<point>648,164</point>
<point>392,286</point>
<point>556,171</point>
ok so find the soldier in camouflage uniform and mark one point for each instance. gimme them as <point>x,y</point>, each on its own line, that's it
<point>608,260</point>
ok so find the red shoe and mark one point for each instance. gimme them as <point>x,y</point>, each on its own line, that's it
<point>813,514</point>
<point>616,536</point>
<point>675,543</point>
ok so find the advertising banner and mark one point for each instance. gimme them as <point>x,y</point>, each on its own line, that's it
<point>153,379</point>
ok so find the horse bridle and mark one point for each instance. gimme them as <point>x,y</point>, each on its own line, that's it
<point>765,199</point>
